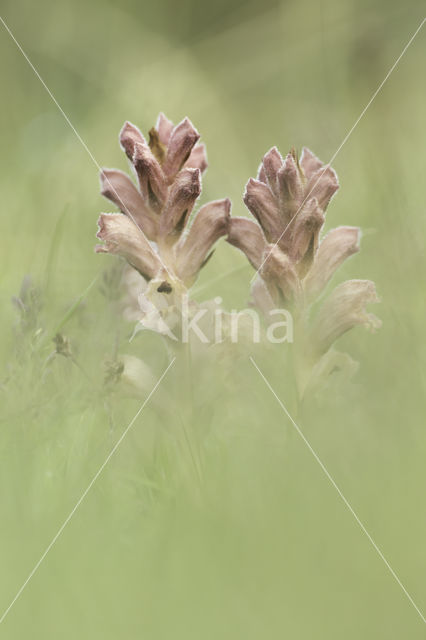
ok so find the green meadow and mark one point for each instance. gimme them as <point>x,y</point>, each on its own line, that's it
<point>213,519</point>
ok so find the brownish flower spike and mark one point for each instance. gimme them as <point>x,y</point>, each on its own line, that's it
<point>151,232</point>
<point>288,200</point>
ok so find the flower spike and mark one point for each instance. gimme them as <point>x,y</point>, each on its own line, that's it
<point>289,200</point>
<point>151,230</point>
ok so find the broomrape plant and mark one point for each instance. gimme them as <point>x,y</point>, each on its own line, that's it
<point>151,233</point>
<point>165,251</point>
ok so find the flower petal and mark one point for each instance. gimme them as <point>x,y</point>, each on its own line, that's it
<point>164,127</point>
<point>309,162</point>
<point>322,185</point>
<point>261,174</point>
<point>198,158</point>
<point>129,136</point>
<point>182,139</point>
<point>305,232</point>
<point>290,188</point>
<point>210,223</point>
<point>337,245</point>
<point>261,202</point>
<point>247,236</point>
<point>280,275</point>
<point>343,310</point>
<point>117,187</point>
<point>182,196</point>
<point>122,237</point>
<point>151,178</point>
<point>272,163</point>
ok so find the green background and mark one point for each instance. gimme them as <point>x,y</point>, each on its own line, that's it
<point>233,530</point>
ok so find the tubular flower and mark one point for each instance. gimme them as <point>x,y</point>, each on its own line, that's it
<point>288,201</point>
<point>152,232</point>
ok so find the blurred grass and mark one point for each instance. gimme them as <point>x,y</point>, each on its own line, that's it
<point>263,547</point>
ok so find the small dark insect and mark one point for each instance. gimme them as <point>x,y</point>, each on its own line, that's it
<point>165,287</point>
